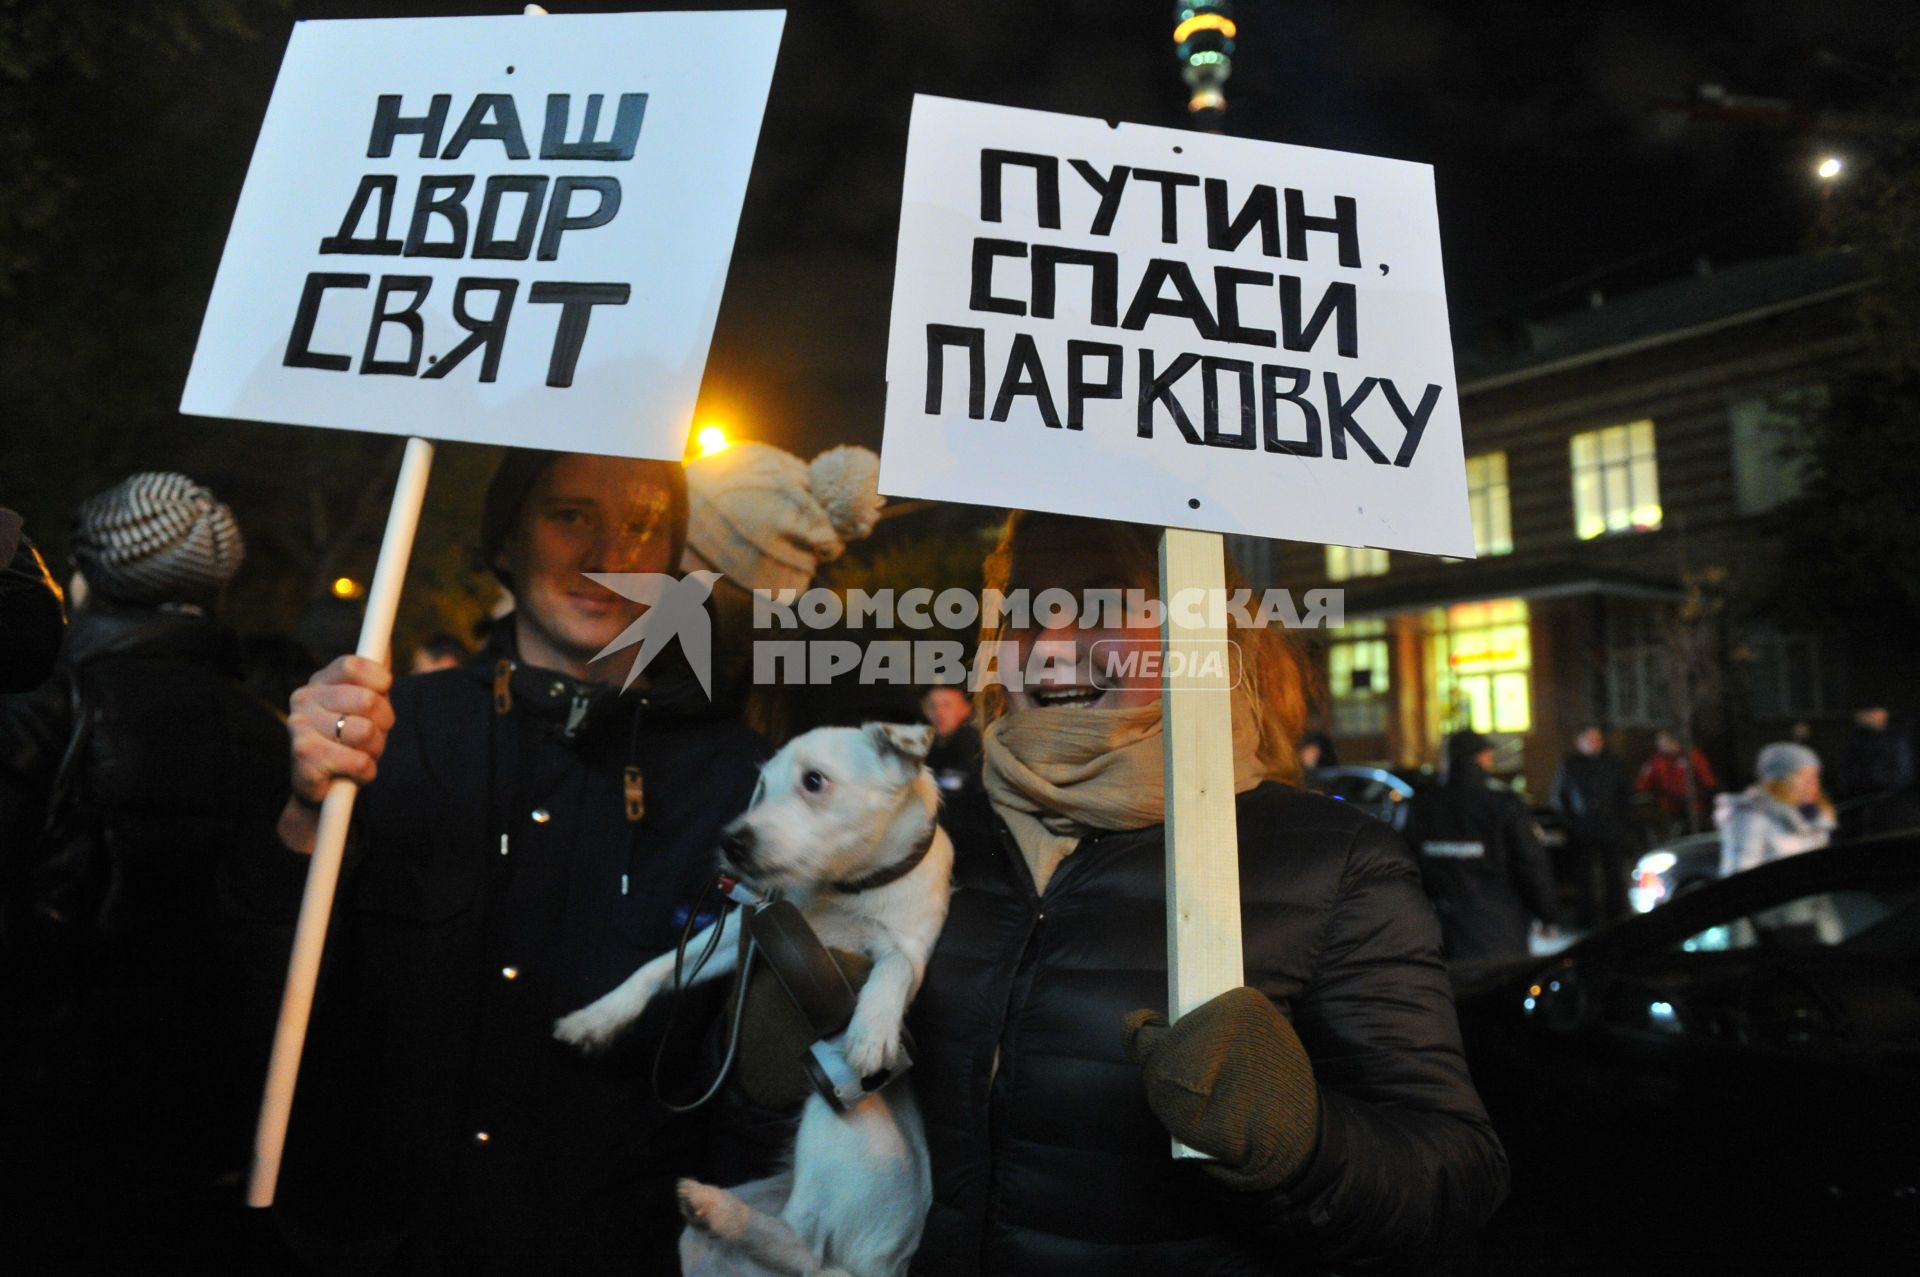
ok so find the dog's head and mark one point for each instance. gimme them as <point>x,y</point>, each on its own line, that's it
<point>833,805</point>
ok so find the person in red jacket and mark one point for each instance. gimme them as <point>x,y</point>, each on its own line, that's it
<point>1681,802</point>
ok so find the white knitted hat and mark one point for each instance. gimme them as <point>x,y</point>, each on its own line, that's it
<point>156,538</point>
<point>768,521</point>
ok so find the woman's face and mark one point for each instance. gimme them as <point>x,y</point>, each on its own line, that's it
<point>1806,785</point>
<point>1080,663</point>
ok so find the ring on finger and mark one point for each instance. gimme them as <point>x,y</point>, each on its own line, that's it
<point>340,729</point>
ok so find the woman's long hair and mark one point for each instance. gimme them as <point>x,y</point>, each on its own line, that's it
<point>1273,674</point>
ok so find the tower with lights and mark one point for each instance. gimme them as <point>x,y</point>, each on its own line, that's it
<point>1203,35</point>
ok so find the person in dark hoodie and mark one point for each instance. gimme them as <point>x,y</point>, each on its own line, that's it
<point>527,836</point>
<point>1480,857</point>
<point>1594,795</point>
<point>131,784</point>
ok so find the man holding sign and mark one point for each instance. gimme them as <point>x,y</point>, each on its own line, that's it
<point>526,835</point>
<point>1172,330</point>
<point>508,231</point>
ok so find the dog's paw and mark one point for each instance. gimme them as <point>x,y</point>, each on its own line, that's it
<point>870,1049</point>
<point>590,1028</point>
<point>713,1211</point>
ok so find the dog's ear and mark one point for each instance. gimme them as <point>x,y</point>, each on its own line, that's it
<point>909,740</point>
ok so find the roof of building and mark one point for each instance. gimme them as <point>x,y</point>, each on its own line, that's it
<point>1668,311</point>
<point>1530,578</point>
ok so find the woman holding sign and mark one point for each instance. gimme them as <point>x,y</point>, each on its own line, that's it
<point>1330,1092</point>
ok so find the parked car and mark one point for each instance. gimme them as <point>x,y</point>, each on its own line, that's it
<point>1725,1084</point>
<point>1380,792</point>
<point>1665,872</point>
<point>1685,863</point>
<point>1383,793</point>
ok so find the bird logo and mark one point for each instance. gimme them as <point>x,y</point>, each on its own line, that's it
<point>675,608</point>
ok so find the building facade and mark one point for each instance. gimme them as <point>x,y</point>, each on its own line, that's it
<point>1620,473</point>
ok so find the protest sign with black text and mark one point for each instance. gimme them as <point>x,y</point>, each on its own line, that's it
<point>1173,328</point>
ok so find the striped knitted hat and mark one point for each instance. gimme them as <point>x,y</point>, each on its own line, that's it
<point>156,538</point>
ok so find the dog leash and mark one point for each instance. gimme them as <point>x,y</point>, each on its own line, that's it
<point>737,896</point>
<point>807,973</point>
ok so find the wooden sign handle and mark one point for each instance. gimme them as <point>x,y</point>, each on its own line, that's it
<point>1203,843</point>
<point>330,844</point>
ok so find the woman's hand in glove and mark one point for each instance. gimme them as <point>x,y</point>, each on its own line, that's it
<point>1231,1080</point>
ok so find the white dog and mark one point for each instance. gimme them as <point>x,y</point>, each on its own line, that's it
<point>844,824</point>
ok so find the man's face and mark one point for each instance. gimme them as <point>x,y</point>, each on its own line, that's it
<point>1590,742</point>
<point>947,708</point>
<point>1874,720</point>
<point>585,514</point>
<point>1668,745</point>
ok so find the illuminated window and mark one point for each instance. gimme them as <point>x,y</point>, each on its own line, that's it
<point>1480,655</point>
<point>1487,497</point>
<point>1345,562</point>
<point>1616,481</point>
<point>1357,674</point>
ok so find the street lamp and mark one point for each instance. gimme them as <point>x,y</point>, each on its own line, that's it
<point>1203,35</point>
<point>710,439</point>
<point>1829,168</point>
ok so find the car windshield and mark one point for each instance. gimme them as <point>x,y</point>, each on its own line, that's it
<point>1877,922</point>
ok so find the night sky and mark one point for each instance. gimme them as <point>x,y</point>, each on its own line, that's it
<point>125,132</point>
<point>1552,160</point>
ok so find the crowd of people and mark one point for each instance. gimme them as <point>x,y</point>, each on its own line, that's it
<point>1494,883</point>
<point>527,833</point>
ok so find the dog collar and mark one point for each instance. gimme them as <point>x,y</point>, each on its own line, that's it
<point>893,872</point>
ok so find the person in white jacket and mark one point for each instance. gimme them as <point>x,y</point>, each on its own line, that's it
<point>1782,814</point>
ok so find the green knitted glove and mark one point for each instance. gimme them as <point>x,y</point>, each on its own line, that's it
<point>774,1035</point>
<point>1231,1080</point>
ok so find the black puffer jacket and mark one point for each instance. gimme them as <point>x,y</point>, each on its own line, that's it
<point>1049,1161</point>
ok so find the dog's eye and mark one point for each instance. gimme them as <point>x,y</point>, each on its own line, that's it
<point>813,782</point>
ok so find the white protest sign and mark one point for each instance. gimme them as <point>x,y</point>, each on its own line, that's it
<point>1172,328</point>
<point>490,229</point>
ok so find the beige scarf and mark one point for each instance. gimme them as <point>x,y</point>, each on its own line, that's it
<point>1055,775</point>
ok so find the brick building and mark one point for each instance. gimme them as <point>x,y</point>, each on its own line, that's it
<point>1632,451</point>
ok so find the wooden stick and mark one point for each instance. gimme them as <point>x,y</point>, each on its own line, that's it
<point>336,814</point>
<point>1203,841</point>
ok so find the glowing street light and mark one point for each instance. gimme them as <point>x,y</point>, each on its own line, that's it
<point>345,587</point>
<point>711,439</point>
<point>1829,168</point>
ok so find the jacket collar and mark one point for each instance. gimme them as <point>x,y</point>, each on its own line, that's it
<point>149,632</point>
<point>580,706</point>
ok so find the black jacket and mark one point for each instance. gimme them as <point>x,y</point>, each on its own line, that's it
<point>173,767</point>
<point>1875,763</point>
<point>1483,865</point>
<point>1050,1160</point>
<point>132,1036</point>
<point>438,1127</point>
<point>1594,795</point>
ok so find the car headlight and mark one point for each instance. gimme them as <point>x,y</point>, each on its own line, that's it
<point>1657,862</point>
